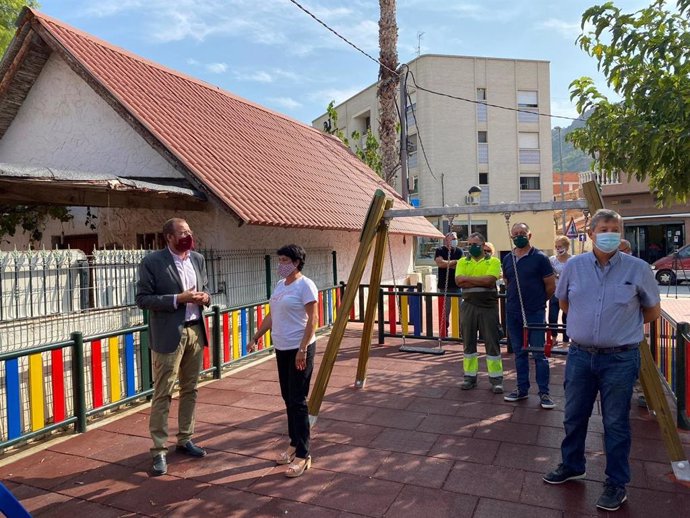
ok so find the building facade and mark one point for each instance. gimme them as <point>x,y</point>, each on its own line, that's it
<point>467,141</point>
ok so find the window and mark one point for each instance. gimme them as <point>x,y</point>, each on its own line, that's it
<point>410,114</point>
<point>482,147</point>
<point>481,106</point>
<point>483,179</point>
<point>150,241</point>
<point>530,183</point>
<point>414,184</point>
<point>528,144</point>
<point>412,150</point>
<point>528,105</point>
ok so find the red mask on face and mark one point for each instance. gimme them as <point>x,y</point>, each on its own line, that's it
<point>186,243</point>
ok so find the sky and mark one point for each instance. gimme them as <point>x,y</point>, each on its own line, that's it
<point>272,53</point>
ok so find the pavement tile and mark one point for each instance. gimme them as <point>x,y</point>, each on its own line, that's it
<point>221,397</point>
<point>417,470</point>
<point>220,501</point>
<point>346,411</point>
<point>278,507</point>
<point>370,398</point>
<point>368,496</point>
<point>481,410</point>
<point>485,480</point>
<point>648,449</point>
<point>490,508</point>
<point>343,432</point>
<point>72,508</point>
<point>467,449</point>
<point>47,469</point>
<point>253,443</point>
<point>111,447</point>
<point>526,457</point>
<point>266,402</point>
<point>443,424</point>
<point>134,424</point>
<point>574,496</point>
<point>506,431</point>
<point>346,458</point>
<point>156,496</point>
<point>405,441</point>
<point>540,416</point>
<point>660,478</point>
<point>99,484</point>
<point>434,406</point>
<point>220,468</point>
<point>301,489</point>
<point>551,437</point>
<point>415,502</point>
<point>401,419</point>
<point>36,501</point>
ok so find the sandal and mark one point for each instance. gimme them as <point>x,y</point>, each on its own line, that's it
<point>287,456</point>
<point>298,467</point>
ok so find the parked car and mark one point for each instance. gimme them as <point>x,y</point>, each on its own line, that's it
<point>674,267</point>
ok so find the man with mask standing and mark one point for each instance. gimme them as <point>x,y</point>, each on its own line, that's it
<point>173,286</point>
<point>446,259</point>
<point>477,276</point>
<point>528,290</point>
<point>608,296</point>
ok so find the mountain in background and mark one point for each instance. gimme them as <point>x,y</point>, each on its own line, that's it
<point>573,159</point>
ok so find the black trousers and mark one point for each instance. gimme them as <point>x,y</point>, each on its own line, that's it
<point>294,387</point>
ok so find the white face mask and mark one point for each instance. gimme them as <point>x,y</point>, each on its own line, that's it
<point>561,251</point>
<point>454,243</point>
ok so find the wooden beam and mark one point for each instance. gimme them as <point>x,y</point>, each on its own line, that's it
<point>592,194</point>
<point>486,209</point>
<point>368,233</point>
<point>27,193</point>
<point>372,299</point>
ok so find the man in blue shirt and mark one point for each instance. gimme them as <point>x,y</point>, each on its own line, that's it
<point>608,296</point>
<point>525,306</point>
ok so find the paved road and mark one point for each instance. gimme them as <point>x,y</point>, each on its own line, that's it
<point>680,290</point>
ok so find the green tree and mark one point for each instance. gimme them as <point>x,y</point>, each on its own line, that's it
<point>30,219</point>
<point>644,57</point>
<point>369,154</point>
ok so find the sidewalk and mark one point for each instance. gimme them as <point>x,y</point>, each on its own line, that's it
<point>677,308</point>
<point>410,444</point>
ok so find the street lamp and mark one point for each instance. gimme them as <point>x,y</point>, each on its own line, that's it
<point>472,199</point>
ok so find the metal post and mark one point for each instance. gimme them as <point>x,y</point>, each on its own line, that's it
<point>403,134</point>
<point>145,355</point>
<point>682,418</point>
<point>335,268</point>
<point>469,224</point>
<point>78,382</point>
<point>215,343</point>
<point>267,264</point>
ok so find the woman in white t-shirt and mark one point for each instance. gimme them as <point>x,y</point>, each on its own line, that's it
<point>561,246</point>
<point>292,321</point>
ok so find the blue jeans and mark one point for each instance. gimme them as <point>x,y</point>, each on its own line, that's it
<point>536,339</point>
<point>613,376</point>
<point>554,309</point>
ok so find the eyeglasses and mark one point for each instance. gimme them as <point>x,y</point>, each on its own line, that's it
<point>487,251</point>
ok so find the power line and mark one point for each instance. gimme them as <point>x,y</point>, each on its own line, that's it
<point>419,135</point>
<point>475,101</point>
<point>428,90</point>
<point>344,38</point>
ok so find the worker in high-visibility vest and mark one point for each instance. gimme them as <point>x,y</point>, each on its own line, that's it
<point>477,276</point>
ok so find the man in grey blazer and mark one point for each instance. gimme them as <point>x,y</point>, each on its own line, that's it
<point>173,286</point>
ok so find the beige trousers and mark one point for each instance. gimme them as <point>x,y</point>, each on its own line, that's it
<point>184,363</point>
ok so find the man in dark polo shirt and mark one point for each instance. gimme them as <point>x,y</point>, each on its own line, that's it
<point>608,296</point>
<point>537,284</point>
<point>446,258</point>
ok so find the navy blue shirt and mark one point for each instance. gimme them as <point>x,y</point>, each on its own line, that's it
<point>532,268</point>
<point>455,254</point>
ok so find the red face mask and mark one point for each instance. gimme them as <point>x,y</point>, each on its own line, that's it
<point>186,243</point>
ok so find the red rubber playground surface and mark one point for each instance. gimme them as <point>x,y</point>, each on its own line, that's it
<point>411,443</point>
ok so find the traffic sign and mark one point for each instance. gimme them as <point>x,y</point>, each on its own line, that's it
<point>572,229</point>
<point>582,238</point>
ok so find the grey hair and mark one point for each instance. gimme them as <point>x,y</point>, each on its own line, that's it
<point>604,215</point>
<point>520,224</point>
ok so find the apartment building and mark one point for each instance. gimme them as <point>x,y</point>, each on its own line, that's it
<point>505,152</point>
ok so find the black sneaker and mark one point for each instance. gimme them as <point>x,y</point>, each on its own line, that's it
<point>562,474</point>
<point>546,402</point>
<point>515,395</point>
<point>612,498</point>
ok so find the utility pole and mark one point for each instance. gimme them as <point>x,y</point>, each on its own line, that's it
<point>403,134</point>
<point>419,43</point>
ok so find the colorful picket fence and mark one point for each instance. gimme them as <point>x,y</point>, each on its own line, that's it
<point>669,343</point>
<point>56,385</point>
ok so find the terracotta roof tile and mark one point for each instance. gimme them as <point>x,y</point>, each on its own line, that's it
<point>267,168</point>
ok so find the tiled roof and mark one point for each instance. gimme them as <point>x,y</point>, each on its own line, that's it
<point>267,168</point>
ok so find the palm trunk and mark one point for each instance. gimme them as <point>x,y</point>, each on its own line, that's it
<point>388,84</point>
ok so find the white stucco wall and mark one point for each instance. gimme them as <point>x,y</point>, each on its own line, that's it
<point>64,124</point>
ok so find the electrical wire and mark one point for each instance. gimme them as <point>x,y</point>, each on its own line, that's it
<point>419,134</point>
<point>424,89</point>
